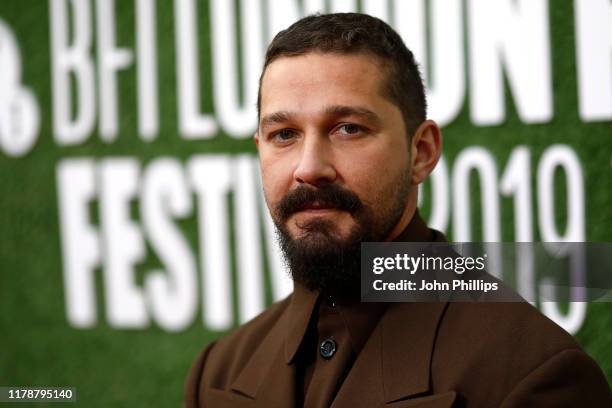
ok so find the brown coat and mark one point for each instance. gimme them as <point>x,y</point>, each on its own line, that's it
<point>434,355</point>
<point>428,355</point>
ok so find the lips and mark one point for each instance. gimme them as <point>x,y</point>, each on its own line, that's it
<point>318,205</point>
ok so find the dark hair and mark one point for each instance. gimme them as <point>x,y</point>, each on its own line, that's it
<point>357,33</point>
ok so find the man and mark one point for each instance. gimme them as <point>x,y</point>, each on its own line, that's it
<point>343,143</point>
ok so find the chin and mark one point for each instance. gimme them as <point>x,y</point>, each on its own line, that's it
<point>314,236</point>
<point>320,225</point>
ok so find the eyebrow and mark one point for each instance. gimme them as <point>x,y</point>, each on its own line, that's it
<point>276,117</point>
<point>343,110</point>
<point>332,110</point>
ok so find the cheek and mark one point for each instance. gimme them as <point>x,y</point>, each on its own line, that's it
<point>367,181</point>
<point>276,178</point>
<point>372,177</point>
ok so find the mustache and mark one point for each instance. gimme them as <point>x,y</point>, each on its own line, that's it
<point>328,195</point>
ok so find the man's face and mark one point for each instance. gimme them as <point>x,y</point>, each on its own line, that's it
<point>334,151</point>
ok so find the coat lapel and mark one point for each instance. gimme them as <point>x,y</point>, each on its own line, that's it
<point>395,363</point>
<point>268,379</point>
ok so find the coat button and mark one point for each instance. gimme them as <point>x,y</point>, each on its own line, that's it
<point>331,302</point>
<point>327,348</point>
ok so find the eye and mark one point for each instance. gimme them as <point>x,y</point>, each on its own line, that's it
<point>350,129</point>
<point>283,135</point>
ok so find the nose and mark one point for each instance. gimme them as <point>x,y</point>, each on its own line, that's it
<point>315,166</point>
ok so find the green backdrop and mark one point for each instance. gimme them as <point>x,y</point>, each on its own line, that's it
<point>146,367</point>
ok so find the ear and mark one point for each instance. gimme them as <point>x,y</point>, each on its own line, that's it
<point>256,139</point>
<point>426,147</point>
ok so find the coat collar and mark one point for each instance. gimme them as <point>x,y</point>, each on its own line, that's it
<point>303,302</point>
<point>267,377</point>
<point>408,352</point>
<point>395,364</point>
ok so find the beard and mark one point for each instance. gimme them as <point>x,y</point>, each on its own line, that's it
<point>319,258</point>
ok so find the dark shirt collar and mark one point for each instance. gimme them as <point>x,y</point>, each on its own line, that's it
<point>360,318</point>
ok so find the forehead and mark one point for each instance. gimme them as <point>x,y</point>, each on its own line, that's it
<point>311,81</point>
